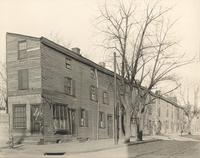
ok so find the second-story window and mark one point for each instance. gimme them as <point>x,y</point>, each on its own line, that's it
<point>105,98</point>
<point>150,110</point>
<point>23,79</point>
<point>159,111</point>
<point>22,50</point>
<point>92,73</point>
<point>93,93</point>
<point>167,114</point>
<point>68,63</point>
<point>69,86</point>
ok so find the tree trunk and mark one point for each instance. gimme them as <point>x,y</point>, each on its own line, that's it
<point>127,128</point>
<point>189,126</point>
<point>140,127</point>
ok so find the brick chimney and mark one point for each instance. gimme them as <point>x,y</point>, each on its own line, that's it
<point>102,64</point>
<point>76,50</point>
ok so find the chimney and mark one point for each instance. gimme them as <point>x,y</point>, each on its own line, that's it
<point>158,92</point>
<point>102,64</point>
<point>76,50</point>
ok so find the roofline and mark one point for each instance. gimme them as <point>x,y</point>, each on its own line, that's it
<point>82,59</point>
<point>26,36</point>
<point>88,62</point>
<point>75,56</point>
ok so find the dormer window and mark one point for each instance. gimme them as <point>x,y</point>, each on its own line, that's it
<point>22,50</point>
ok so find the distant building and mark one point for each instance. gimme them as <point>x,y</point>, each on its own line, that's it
<point>51,88</point>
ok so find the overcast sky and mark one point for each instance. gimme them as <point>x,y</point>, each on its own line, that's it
<point>73,22</point>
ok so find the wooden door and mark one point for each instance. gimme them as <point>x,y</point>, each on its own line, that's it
<point>35,122</point>
<point>110,126</point>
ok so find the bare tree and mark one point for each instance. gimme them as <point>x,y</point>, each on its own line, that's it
<point>191,110</point>
<point>141,36</point>
<point>3,87</point>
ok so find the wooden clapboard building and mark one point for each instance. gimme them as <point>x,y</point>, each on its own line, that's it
<point>68,91</point>
<point>51,89</point>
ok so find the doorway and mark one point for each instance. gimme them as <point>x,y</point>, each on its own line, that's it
<point>35,122</point>
<point>110,125</point>
<point>72,120</point>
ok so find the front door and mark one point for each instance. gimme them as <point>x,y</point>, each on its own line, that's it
<point>73,111</point>
<point>35,124</point>
<point>72,120</point>
<point>110,126</point>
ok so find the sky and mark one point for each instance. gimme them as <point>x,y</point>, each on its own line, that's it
<point>73,23</point>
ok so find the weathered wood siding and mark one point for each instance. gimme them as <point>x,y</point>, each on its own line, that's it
<point>53,73</point>
<point>33,63</point>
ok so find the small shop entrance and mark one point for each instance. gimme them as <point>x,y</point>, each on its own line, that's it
<point>35,121</point>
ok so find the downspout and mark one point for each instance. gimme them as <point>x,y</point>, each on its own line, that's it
<point>98,106</point>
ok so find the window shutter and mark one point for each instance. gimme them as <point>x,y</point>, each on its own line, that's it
<point>104,120</point>
<point>96,94</point>
<point>86,118</point>
<point>99,119</point>
<point>73,88</point>
<point>25,79</point>
<point>79,116</point>
<point>90,90</point>
<point>19,79</point>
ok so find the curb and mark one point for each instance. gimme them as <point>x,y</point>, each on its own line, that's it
<point>114,147</point>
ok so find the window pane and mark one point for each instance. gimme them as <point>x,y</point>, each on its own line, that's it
<point>68,63</point>
<point>23,79</point>
<point>19,119</point>
<point>22,45</point>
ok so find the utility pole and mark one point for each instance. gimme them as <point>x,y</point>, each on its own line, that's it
<point>115,102</point>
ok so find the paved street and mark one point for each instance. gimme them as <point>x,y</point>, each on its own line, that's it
<point>174,148</point>
<point>161,149</point>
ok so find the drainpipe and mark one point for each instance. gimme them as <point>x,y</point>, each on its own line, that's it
<point>98,106</point>
<point>115,102</point>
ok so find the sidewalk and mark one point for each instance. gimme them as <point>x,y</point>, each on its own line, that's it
<point>73,147</point>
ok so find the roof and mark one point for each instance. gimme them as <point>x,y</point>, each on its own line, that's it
<point>24,36</point>
<point>84,60</point>
<point>75,56</point>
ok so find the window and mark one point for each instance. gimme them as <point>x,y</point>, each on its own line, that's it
<point>69,86</point>
<point>150,110</point>
<point>177,113</point>
<point>167,113</point>
<point>19,116</point>
<point>23,79</point>
<point>60,116</point>
<point>68,63</point>
<point>105,98</point>
<point>101,120</point>
<point>93,93</point>
<point>159,111</point>
<point>22,50</point>
<point>83,118</point>
<point>92,73</point>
